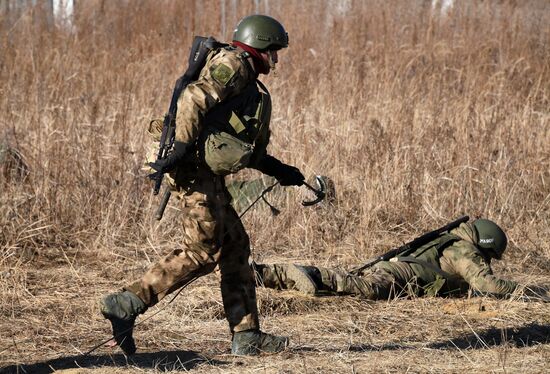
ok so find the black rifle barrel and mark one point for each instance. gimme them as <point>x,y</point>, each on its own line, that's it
<point>412,245</point>
<point>166,143</point>
<point>163,203</point>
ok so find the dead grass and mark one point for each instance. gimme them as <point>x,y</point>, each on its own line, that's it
<point>419,118</point>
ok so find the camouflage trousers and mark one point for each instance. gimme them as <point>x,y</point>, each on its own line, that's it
<point>214,235</point>
<point>374,284</point>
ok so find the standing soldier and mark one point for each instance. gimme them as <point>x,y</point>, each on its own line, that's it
<point>222,126</point>
<point>451,264</point>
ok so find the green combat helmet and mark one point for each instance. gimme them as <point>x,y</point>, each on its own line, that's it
<point>491,238</point>
<point>261,32</point>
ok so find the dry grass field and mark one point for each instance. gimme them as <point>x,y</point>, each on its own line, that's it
<point>418,115</point>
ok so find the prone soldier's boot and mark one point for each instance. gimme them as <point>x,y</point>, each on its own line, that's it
<point>306,279</point>
<point>121,309</point>
<point>254,342</point>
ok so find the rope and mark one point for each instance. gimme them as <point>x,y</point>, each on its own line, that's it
<point>261,196</point>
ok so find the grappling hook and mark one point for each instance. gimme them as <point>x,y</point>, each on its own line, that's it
<point>320,193</point>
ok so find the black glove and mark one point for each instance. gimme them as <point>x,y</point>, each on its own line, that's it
<point>291,176</point>
<point>169,163</point>
<point>286,175</point>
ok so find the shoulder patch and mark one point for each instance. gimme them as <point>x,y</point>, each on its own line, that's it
<point>222,73</point>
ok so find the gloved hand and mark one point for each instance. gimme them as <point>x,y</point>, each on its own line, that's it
<point>290,176</point>
<point>286,175</point>
<point>169,163</point>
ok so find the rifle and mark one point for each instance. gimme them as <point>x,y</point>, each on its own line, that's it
<point>197,59</point>
<point>412,245</point>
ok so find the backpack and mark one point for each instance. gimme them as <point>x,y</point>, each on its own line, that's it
<point>225,150</point>
<point>198,55</point>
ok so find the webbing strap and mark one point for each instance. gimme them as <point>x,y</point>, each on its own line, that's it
<point>236,123</point>
<point>262,86</point>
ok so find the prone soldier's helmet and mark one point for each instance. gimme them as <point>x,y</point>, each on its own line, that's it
<point>491,239</point>
<point>261,32</point>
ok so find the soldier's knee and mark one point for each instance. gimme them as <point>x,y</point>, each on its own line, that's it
<point>205,249</point>
<point>236,251</point>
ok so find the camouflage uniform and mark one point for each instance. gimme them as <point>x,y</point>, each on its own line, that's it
<point>449,265</point>
<point>214,233</point>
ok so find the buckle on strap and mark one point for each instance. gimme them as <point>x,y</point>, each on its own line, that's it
<point>236,123</point>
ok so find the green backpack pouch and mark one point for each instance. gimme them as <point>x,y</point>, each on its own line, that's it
<point>226,154</point>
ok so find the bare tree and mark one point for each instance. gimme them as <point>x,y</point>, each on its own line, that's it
<point>11,10</point>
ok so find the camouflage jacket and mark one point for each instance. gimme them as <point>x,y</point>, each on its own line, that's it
<point>226,98</point>
<point>225,75</point>
<point>464,265</point>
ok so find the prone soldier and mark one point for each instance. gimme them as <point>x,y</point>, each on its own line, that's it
<point>451,264</point>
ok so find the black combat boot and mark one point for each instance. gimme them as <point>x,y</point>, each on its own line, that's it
<point>121,309</point>
<point>254,342</point>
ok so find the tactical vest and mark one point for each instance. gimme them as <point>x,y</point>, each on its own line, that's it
<point>236,132</point>
<point>424,261</point>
